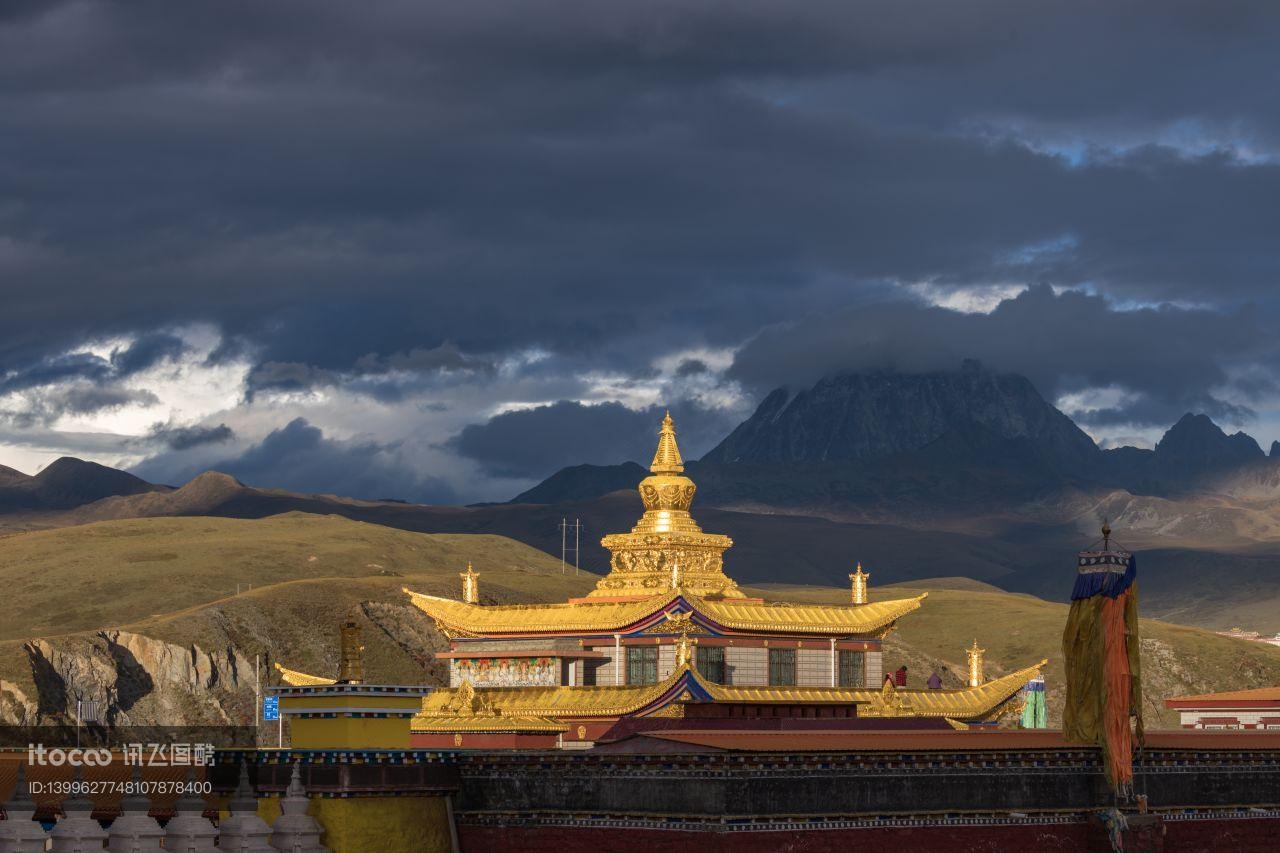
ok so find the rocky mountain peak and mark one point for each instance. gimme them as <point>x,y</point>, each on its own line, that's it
<point>856,417</point>
<point>1196,443</point>
<point>1275,450</point>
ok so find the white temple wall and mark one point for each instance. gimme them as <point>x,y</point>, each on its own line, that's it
<point>813,667</point>
<point>875,669</point>
<point>746,666</point>
<point>607,672</point>
<point>666,661</point>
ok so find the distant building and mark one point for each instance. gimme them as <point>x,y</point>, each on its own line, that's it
<point>1250,636</point>
<point>1236,709</point>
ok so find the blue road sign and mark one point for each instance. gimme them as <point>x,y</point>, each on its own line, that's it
<point>271,708</point>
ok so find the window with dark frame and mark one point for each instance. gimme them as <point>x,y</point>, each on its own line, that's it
<point>782,667</point>
<point>711,663</point>
<point>642,665</point>
<point>853,669</point>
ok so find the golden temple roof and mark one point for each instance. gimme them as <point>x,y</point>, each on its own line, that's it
<point>301,679</point>
<point>967,703</point>
<point>486,725</point>
<point>825,619</point>
<point>555,703</point>
<point>456,618</point>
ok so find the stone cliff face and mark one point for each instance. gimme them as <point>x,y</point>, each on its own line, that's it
<point>140,680</point>
<point>862,417</point>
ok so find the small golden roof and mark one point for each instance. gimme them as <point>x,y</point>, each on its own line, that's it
<point>666,460</point>
<point>294,678</point>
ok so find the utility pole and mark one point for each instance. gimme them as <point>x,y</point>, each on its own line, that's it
<point>564,544</point>
<point>257,698</point>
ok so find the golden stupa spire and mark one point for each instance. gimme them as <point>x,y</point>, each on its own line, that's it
<point>666,460</point>
<point>666,549</point>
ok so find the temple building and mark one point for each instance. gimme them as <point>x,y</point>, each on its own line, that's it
<point>668,637</point>
<point>1257,709</point>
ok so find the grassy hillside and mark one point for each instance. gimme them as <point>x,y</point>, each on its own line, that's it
<point>146,613</point>
<point>115,573</point>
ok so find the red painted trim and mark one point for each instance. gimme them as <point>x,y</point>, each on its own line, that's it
<point>521,653</point>
<point>1221,704</point>
<point>748,642</point>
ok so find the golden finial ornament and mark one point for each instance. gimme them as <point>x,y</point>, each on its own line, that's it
<point>684,651</point>
<point>976,675</point>
<point>470,585</point>
<point>1106,535</point>
<point>351,667</point>
<point>860,580</point>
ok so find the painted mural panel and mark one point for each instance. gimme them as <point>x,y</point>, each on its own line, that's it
<point>507,672</point>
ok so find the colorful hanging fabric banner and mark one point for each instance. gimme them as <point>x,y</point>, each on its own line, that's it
<point>1100,646</point>
<point>1033,708</point>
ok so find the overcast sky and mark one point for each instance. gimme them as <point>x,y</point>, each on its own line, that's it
<point>435,251</point>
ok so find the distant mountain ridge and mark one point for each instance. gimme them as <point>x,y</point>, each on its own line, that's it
<point>67,483</point>
<point>1193,449</point>
<point>943,438</point>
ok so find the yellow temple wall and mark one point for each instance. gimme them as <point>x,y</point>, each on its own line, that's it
<point>384,824</point>
<point>353,701</point>
<point>349,732</point>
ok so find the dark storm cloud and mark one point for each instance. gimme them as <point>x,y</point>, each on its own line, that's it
<point>187,437</point>
<point>532,443</point>
<point>299,457</point>
<point>388,379</point>
<point>1172,360</point>
<point>329,183</point>
<point>48,405</point>
<point>147,351</point>
<point>391,199</point>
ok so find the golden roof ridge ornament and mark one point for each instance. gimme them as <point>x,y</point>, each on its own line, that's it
<point>470,585</point>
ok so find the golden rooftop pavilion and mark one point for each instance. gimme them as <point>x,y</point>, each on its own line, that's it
<point>667,639</point>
